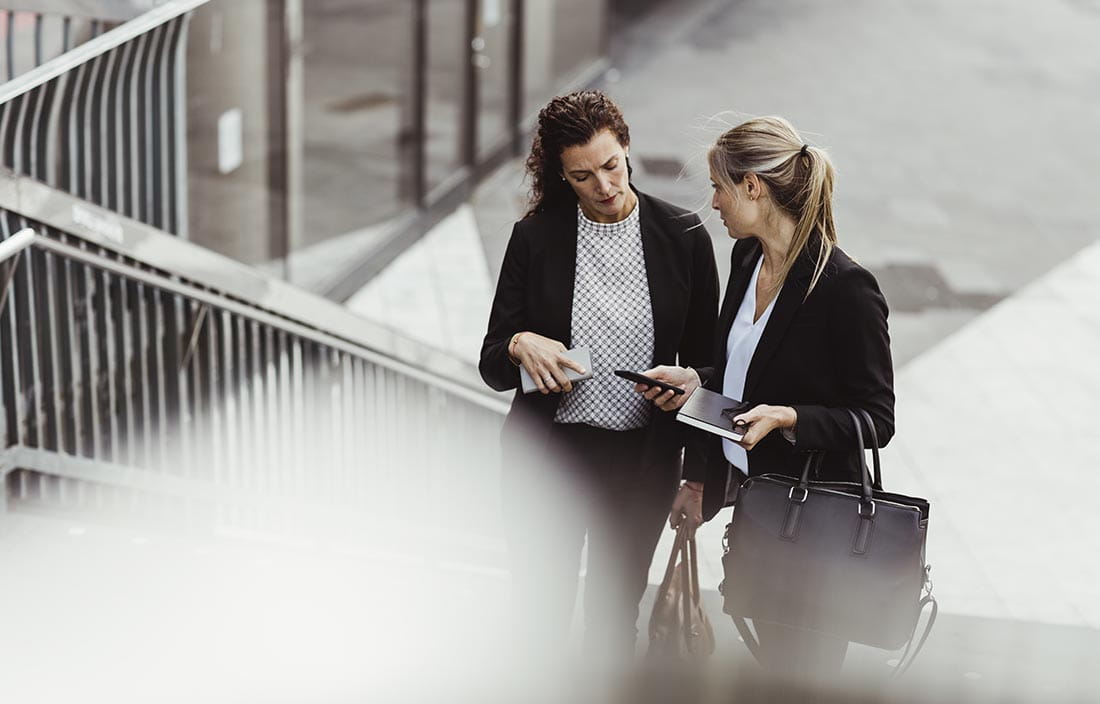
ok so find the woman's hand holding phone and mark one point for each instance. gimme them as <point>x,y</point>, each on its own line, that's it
<point>684,377</point>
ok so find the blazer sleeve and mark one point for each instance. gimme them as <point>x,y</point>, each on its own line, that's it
<point>697,345</point>
<point>859,342</point>
<point>697,341</point>
<point>507,317</point>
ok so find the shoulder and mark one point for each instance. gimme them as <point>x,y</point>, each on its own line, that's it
<point>844,272</point>
<point>661,208</point>
<point>845,280</point>
<point>547,225</point>
<point>668,214</point>
<point>677,223</point>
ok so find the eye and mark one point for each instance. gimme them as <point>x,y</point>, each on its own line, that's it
<point>611,166</point>
<point>580,179</point>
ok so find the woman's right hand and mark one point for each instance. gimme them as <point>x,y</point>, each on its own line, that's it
<point>543,359</point>
<point>687,508</point>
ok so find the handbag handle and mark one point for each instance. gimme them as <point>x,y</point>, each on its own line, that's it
<point>874,446</point>
<point>813,460</point>
<point>865,475</point>
<point>677,548</point>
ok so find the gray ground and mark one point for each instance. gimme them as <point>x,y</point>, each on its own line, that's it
<point>963,132</point>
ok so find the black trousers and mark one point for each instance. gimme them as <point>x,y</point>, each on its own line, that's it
<point>589,485</point>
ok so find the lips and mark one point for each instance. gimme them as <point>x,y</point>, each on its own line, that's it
<point>609,201</point>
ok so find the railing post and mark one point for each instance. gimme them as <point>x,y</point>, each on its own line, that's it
<point>4,469</point>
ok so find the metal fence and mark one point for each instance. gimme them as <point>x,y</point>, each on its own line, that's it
<point>124,386</point>
<point>104,121</point>
<point>144,374</point>
<point>30,38</point>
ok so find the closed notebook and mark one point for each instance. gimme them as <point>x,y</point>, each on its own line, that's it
<point>713,413</point>
<point>577,354</point>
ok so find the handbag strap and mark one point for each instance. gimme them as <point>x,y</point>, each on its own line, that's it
<point>691,554</point>
<point>907,658</point>
<point>865,476</point>
<point>874,446</point>
<point>677,548</point>
<point>685,589</point>
<point>747,636</point>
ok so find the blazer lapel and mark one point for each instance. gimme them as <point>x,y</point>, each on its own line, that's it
<point>659,273</point>
<point>790,298</point>
<point>561,274</point>
<point>741,266</point>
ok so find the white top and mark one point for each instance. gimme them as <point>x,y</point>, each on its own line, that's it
<point>740,347</point>
<point>613,317</point>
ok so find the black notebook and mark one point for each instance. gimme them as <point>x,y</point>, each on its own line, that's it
<point>713,413</point>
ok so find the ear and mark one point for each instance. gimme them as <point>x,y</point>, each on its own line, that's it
<point>754,187</point>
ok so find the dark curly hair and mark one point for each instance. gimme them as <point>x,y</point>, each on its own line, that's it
<point>566,121</point>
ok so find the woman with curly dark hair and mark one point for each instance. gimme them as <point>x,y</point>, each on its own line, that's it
<point>593,264</point>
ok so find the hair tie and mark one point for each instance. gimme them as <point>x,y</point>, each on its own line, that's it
<point>804,149</point>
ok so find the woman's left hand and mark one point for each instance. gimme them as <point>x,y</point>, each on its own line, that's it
<point>762,420</point>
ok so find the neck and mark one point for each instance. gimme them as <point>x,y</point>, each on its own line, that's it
<point>776,243</point>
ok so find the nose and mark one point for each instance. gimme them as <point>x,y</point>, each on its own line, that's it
<point>604,184</point>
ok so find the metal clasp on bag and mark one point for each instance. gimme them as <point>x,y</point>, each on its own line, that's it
<point>872,514</point>
<point>805,494</point>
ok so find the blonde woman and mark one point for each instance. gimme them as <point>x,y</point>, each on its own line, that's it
<point>802,335</point>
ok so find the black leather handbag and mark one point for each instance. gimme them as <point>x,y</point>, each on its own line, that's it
<point>842,558</point>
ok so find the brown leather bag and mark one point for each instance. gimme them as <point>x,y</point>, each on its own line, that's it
<point>679,625</point>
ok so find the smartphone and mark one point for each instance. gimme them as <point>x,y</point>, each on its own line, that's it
<point>648,381</point>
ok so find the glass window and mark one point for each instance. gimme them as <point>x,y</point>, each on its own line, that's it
<point>561,39</point>
<point>357,80</point>
<point>446,82</point>
<point>491,56</point>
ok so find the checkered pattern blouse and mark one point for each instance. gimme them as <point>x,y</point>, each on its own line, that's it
<point>613,317</point>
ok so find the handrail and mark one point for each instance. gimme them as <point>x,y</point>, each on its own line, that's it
<point>109,230</point>
<point>110,10</point>
<point>27,238</point>
<point>17,243</point>
<point>96,47</point>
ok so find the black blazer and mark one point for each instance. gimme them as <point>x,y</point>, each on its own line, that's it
<point>535,293</point>
<point>820,355</point>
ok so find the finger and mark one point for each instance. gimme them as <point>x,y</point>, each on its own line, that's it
<point>653,393</point>
<point>547,380</point>
<point>641,388</point>
<point>560,379</point>
<point>564,361</point>
<point>672,404</point>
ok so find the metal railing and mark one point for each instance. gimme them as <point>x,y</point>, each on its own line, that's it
<point>122,385</point>
<point>38,34</point>
<point>139,372</point>
<point>104,120</point>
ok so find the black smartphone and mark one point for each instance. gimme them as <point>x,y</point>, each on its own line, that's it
<point>648,381</point>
